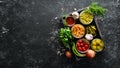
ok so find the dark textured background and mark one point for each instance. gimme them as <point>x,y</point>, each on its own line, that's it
<point>28,34</point>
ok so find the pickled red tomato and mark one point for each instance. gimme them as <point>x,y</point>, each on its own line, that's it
<point>78,44</point>
<point>80,40</point>
<point>79,48</point>
<point>86,46</point>
<point>82,45</point>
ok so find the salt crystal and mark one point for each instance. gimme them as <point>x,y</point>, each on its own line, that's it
<point>75,9</point>
<point>4,30</point>
<point>37,23</point>
<point>58,52</point>
<point>56,17</point>
<point>62,9</point>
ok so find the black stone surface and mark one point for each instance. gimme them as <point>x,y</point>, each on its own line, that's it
<point>29,28</point>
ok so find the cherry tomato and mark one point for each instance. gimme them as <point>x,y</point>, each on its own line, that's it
<point>84,43</point>
<point>86,46</point>
<point>81,44</point>
<point>83,48</point>
<point>80,40</point>
<point>80,49</point>
<point>78,44</point>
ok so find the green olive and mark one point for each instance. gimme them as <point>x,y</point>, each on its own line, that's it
<point>93,47</point>
<point>97,44</point>
<point>99,48</point>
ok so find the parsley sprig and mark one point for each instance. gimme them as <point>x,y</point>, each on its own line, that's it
<point>65,37</point>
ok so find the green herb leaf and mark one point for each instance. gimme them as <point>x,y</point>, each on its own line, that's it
<point>65,36</point>
<point>96,9</point>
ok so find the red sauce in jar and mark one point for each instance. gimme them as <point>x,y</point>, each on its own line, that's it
<point>70,21</point>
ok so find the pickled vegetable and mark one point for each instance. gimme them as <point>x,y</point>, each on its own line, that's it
<point>86,18</point>
<point>78,31</point>
<point>97,45</point>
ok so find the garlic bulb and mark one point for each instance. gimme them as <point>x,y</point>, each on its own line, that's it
<point>75,15</point>
<point>89,36</point>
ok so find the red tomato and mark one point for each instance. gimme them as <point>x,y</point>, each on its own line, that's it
<point>80,40</point>
<point>86,46</point>
<point>84,43</point>
<point>80,49</point>
<point>78,44</point>
<point>81,44</point>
